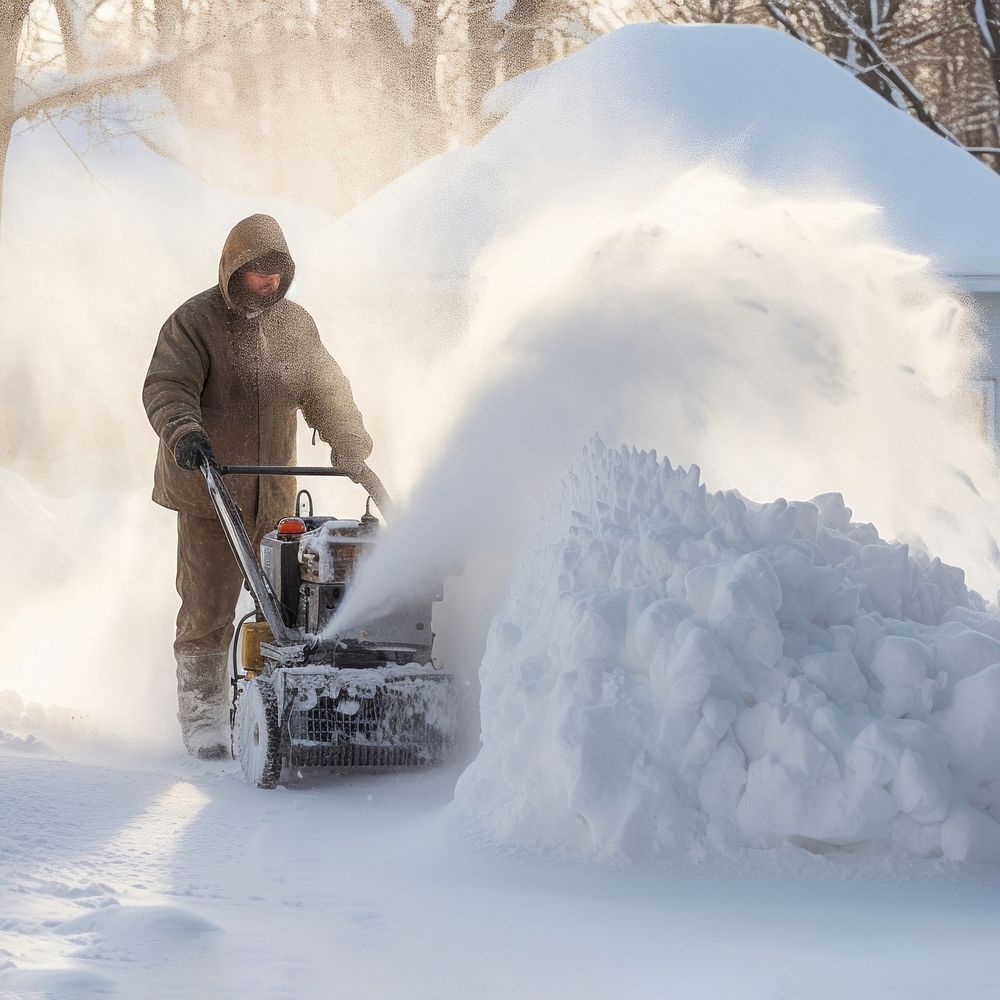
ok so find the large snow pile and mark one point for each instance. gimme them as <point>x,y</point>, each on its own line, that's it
<point>680,671</point>
<point>647,102</point>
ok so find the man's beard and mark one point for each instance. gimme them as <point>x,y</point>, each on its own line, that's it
<point>252,303</point>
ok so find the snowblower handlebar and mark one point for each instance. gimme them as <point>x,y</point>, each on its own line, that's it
<point>239,540</point>
<point>365,478</point>
<point>279,470</point>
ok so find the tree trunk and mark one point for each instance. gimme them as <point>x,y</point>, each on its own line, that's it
<point>12,17</point>
<point>421,69</point>
<point>168,19</point>
<point>72,52</point>
<point>989,27</point>
<point>420,76</point>
<point>518,53</point>
<point>483,34</point>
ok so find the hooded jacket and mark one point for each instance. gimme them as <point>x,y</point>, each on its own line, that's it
<point>240,378</point>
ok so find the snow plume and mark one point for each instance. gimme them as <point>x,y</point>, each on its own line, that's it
<point>700,673</point>
<point>781,341</point>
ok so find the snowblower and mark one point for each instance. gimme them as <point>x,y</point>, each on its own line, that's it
<point>371,696</point>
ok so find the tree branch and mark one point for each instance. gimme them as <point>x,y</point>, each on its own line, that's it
<point>878,63</point>
<point>780,14</point>
<point>926,36</point>
<point>892,72</point>
<point>85,86</point>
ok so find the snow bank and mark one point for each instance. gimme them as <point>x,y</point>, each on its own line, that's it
<point>680,671</point>
<point>90,657</point>
<point>668,98</point>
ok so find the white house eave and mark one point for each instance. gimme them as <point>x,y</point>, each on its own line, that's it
<point>977,282</point>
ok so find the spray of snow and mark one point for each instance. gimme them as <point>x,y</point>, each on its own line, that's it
<point>781,341</point>
<point>699,672</point>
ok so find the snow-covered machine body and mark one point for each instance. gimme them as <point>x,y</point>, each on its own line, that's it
<point>369,695</point>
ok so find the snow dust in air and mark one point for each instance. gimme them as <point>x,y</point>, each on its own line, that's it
<point>91,601</point>
<point>778,341</point>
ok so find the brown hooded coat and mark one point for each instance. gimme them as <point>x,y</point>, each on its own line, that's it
<point>241,378</point>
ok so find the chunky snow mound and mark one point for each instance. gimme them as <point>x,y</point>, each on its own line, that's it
<point>679,671</point>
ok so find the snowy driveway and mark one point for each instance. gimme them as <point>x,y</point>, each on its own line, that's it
<point>169,878</point>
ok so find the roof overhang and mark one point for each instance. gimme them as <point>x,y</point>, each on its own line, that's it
<point>977,282</point>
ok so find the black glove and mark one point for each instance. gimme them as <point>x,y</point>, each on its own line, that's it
<point>193,450</point>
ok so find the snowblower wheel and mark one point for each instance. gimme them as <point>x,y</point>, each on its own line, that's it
<point>256,736</point>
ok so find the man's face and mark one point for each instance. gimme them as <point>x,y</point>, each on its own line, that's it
<point>261,289</point>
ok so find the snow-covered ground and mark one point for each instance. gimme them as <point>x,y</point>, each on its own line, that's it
<point>162,878</point>
<point>138,874</point>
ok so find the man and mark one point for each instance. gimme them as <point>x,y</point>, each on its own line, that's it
<point>231,368</point>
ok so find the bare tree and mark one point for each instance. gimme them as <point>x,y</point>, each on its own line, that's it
<point>168,19</point>
<point>421,62</point>
<point>537,32</point>
<point>938,61</point>
<point>985,14</point>
<point>67,14</point>
<point>59,87</point>
<point>483,44</point>
<point>520,31</point>
<point>855,35</point>
<point>12,16</point>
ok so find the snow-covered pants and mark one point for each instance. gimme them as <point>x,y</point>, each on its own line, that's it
<point>209,582</point>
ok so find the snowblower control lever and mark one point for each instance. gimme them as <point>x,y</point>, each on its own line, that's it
<point>367,480</point>
<point>279,470</point>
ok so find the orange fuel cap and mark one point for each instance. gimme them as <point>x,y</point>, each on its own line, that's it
<point>291,526</point>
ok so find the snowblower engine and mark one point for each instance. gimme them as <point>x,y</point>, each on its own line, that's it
<point>369,695</point>
<point>310,563</point>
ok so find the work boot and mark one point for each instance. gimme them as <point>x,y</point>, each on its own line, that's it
<point>203,696</point>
